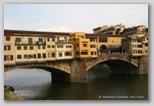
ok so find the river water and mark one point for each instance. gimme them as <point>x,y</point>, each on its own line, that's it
<point>36,84</point>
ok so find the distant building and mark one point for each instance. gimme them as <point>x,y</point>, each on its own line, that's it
<point>135,45</point>
<point>141,29</point>
<point>112,30</point>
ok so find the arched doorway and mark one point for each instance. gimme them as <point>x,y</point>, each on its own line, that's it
<point>103,48</point>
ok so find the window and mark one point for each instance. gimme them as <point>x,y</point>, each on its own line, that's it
<point>43,46</point>
<point>26,56</point>
<point>84,45</point>
<point>44,55</point>
<point>48,46</point>
<point>7,38</point>
<point>146,44</point>
<point>68,53</point>
<point>39,47</point>
<point>68,46</point>
<point>60,55</point>
<point>59,46</point>
<point>139,46</point>
<point>18,47</point>
<point>39,55</point>
<point>53,46</point>
<point>34,55</point>
<point>51,39</point>
<point>92,46</point>
<point>18,39</point>
<point>7,47</point>
<point>8,57</point>
<point>31,48</point>
<point>102,39</point>
<point>77,45</point>
<point>51,54</point>
<point>140,51</point>
<point>19,56</point>
<point>93,53</point>
<point>30,40</point>
<point>40,39</point>
<point>84,53</point>
<point>25,47</point>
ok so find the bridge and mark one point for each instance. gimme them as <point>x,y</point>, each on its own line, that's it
<point>75,70</point>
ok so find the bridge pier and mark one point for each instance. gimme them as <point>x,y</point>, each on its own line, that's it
<point>143,65</point>
<point>78,71</point>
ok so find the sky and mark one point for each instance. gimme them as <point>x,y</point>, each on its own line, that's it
<point>72,17</point>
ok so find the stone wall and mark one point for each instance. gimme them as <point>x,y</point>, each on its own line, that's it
<point>143,65</point>
<point>78,71</point>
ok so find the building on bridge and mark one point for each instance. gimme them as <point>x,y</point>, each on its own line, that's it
<point>135,45</point>
<point>36,46</point>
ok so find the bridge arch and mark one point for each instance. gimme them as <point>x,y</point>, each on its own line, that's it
<point>123,66</point>
<point>59,72</point>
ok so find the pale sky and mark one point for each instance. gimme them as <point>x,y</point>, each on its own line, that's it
<point>72,17</point>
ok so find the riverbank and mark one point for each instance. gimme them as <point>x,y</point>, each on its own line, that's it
<point>8,95</point>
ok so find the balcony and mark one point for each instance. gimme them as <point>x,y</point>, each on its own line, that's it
<point>63,42</point>
<point>29,43</point>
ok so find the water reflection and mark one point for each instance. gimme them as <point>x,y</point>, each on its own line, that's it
<point>36,84</point>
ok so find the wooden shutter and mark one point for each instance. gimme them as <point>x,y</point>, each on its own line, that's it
<point>4,58</point>
<point>11,57</point>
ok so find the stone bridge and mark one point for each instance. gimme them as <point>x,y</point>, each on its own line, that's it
<point>75,70</point>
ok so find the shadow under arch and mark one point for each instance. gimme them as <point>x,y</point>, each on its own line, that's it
<point>56,74</point>
<point>119,66</point>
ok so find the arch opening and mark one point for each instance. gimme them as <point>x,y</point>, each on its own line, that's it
<point>56,74</point>
<point>103,49</point>
<point>113,67</point>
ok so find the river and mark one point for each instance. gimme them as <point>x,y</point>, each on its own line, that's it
<point>36,84</point>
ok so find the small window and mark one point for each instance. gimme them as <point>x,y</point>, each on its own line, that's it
<point>25,47</point>
<point>84,45</point>
<point>18,47</point>
<point>39,47</point>
<point>26,56</point>
<point>39,55</point>
<point>7,38</point>
<point>84,53</point>
<point>40,39</point>
<point>19,56</point>
<point>43,46</point>
<point>18,39</point>
<point>68,53</point>
<point>7,47</point>
<point>51,54</point>
<point>31,48</point>
<point>44,55</point>
<point>53,46</point>
<point>48,46</point>
<point>60,54</point>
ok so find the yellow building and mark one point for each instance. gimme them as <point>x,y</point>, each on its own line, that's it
<point>81,45</point>
<point>29,48</point>
<point>50,47</point>
<point>106,43</point>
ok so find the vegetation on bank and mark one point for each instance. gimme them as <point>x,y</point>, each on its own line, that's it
<point>8,95</point>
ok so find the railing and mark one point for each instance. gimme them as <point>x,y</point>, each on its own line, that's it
<point>34,42</point>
